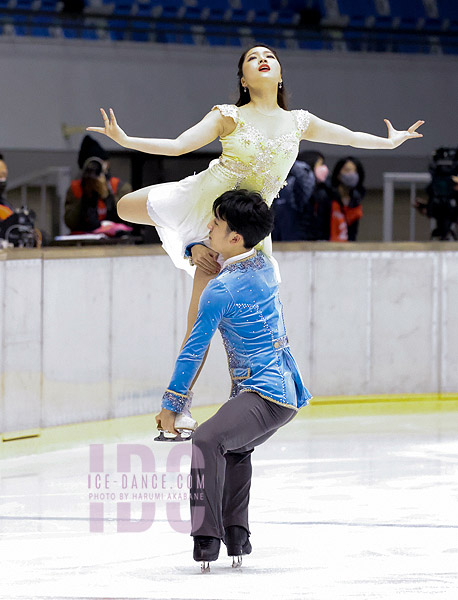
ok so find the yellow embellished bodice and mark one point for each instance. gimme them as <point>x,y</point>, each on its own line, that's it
<point>254,161</point>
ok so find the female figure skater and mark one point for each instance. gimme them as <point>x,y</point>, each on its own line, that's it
<point>260,140</point>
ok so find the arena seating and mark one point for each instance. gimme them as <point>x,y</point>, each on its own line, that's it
<point>348,25</point>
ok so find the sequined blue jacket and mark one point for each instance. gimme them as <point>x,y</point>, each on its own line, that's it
<point>243,302</point>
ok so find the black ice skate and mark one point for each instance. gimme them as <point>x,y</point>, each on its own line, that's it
<point>206,550</point>
<point>238,543</point>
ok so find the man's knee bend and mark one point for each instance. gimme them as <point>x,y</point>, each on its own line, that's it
<point>200,435</point>
<point>204,438</point>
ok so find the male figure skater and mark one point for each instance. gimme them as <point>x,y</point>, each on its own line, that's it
<point>267,389</point>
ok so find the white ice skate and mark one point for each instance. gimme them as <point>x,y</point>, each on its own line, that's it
<point>184,424</point>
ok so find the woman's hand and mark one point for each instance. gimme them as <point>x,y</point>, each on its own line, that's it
<point>205,259</point>
<point>111,128</point>
<point>399,137</point>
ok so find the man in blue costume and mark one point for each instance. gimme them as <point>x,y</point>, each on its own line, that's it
<point>267,389</point>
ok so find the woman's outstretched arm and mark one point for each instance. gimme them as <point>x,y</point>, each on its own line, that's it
<point>331,133</point>
<point>208,129</point>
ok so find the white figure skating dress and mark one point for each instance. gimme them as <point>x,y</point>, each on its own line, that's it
<point>182,209</point>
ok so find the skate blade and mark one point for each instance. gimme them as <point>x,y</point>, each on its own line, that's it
<point>205,567</point>
<point>166,436</point>
<point>236,564</point>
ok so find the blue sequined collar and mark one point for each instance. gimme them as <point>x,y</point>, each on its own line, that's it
<point>254,261</point>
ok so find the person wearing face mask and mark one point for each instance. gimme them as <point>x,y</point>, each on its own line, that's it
<point>93,198</point>
<point>338,207</point>
<point>5,207</point>
<point>347,180</point>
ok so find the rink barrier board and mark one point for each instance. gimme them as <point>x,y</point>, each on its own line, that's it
<point>72,353</point>
<point>35,441</point>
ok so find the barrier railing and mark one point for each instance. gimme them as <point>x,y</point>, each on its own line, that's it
<point>59,177</point>
<point>389,181</point>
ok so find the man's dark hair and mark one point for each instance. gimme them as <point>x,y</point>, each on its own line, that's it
<point>245,213</point>
<point>1,156</point>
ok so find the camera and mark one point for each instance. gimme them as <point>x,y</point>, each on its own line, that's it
<point>443,193</point>
<point>93,169</point>
<point>19,229</point>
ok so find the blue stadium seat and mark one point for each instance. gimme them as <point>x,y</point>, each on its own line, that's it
<point>89,34</point>
<point>257,5</point>
<point>41,25</point>
<point>217,35</point>
<point>217,14</point>
<point>122,7</point>
<point>239,16</point>
<point>448,9</point>
<point>144,9</point>
<point>312,41</point>
<point>21,25</point>
<point>271,37</point>
<point>24,4</point>
<point>409,13</point>
<point>262,16</point>
<point>357,11</point>
<point>285,17</point>
<point>192,13</point>
<point>142,30</point>
<point>433,24</point>
<point>47,5</point>
<point>449,44</point>
<point>69,33</point>
<point>215,4</point>
<point>171,33</point>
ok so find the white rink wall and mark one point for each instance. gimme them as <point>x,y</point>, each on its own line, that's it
<point>92,334</point>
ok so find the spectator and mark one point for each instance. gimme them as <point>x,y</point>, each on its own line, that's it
<point>293,207</point>
<point>338,207</point>
<point>5,207</point>
<point>92,199</point>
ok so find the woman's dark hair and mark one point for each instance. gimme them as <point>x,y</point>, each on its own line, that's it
<point>338,167</point>
<point>311,157</point>
<point>245,213</point>
<point>244,97</point>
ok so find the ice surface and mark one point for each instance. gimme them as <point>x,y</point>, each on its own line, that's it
<point>356,507</point>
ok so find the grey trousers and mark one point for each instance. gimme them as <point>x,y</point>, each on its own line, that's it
<point>221,461</point>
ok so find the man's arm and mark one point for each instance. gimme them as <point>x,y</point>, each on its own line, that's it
<point>214,304</point>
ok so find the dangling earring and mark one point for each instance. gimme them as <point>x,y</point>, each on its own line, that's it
<point>280,85</point>
<point>244,89</point>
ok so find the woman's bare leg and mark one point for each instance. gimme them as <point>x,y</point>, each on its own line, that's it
<point>200,281</point>
<point>132,207</point>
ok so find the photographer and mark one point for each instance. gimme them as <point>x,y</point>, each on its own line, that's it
<point>93,198</point>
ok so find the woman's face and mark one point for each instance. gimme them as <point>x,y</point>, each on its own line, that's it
<point>260,64</point>
<point>348,167</point>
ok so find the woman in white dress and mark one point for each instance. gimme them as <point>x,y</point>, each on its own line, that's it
<point>260,141</point>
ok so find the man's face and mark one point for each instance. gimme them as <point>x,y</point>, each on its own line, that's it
<point>219,235</point>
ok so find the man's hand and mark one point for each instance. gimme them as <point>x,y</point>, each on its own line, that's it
<point>166,420</point>
<point>205,258</point>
